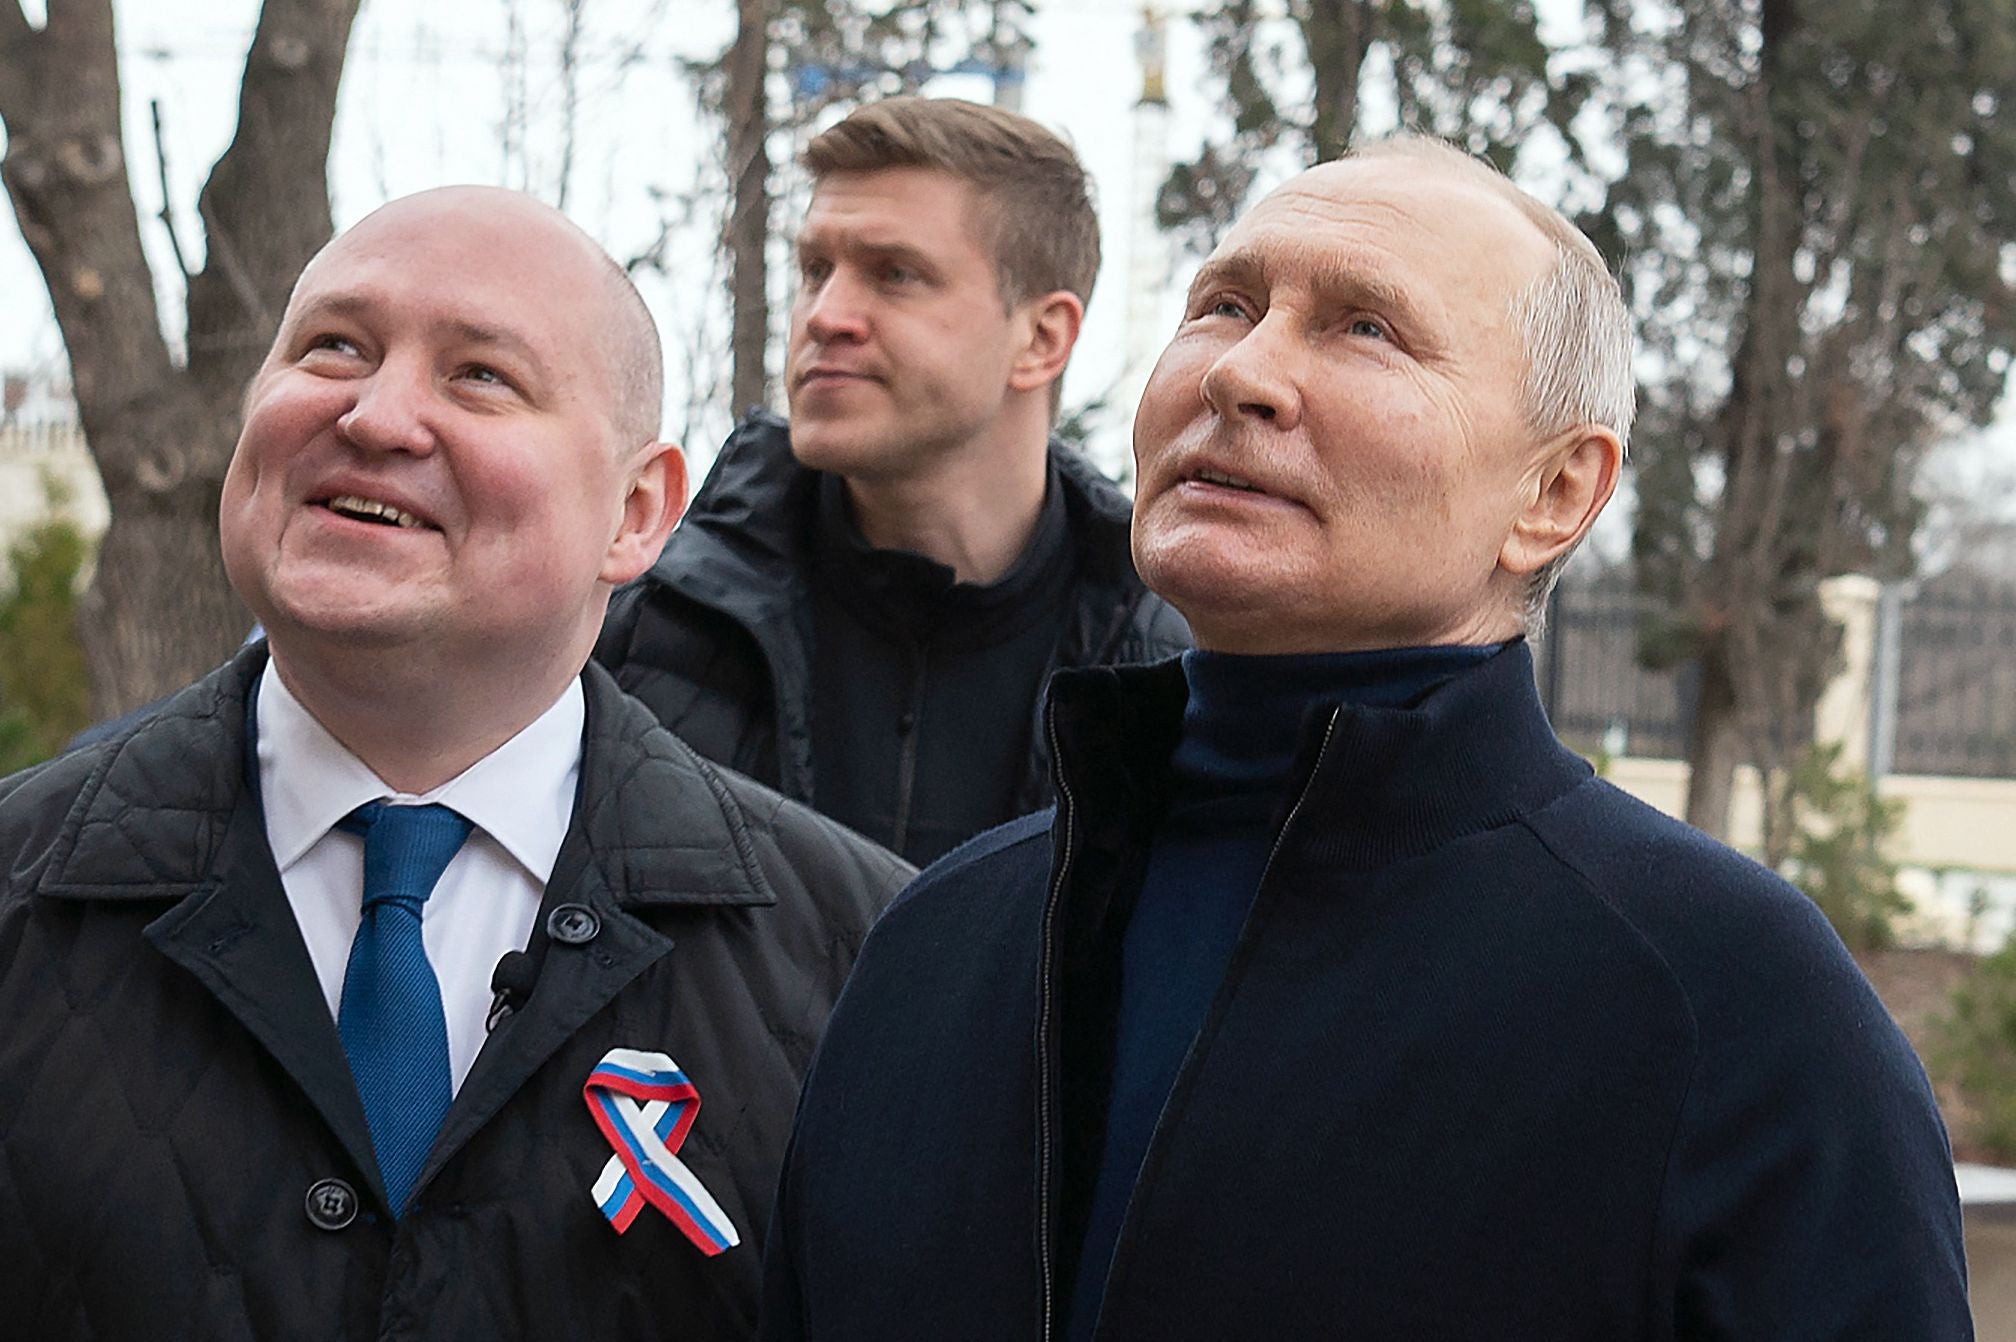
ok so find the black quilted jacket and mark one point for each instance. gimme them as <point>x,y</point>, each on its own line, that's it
<point>717,638</point>
<point>172,1086</point>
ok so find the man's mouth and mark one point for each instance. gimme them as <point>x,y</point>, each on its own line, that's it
<point>826,373</point>
<point>376,511</point>
<point>1211,477</point>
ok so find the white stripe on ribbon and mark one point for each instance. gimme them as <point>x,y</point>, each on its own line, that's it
<point>644,1163</point>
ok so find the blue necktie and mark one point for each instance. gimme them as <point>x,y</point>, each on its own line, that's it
<point>390,1019</point>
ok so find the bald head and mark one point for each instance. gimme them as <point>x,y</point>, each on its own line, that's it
<point>607,304</point>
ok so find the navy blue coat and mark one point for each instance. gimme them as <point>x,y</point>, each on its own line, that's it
<point>1501,1053</point>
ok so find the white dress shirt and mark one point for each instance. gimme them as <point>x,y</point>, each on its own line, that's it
<point>518,798</point>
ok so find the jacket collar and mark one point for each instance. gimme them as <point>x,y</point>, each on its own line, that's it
<point>753,512</point>
<point>1383,784</point>
<point>150,820</point>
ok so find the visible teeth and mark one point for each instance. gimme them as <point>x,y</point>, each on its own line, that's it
<point>1232,481</point>
<point>373,510</point>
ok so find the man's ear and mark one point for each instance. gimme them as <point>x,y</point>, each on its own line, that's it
<point>1573,480</point>
<point>657,496</point>
<point>1053,322</point>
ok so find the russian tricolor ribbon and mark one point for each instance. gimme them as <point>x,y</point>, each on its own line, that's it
<point>644,1105</point>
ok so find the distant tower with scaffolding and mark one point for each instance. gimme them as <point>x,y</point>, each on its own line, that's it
<point>1148,253</point>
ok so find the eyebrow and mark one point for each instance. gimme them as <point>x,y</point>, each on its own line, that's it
<point>356,306</point>
<point>908,253</point>
<point>1332,278</point>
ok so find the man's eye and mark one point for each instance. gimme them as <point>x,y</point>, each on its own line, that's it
<point>334,344</point>
<point>814,270</point>
<point>483,373</point>
<point>898,275</point>
<point>1368,326</point>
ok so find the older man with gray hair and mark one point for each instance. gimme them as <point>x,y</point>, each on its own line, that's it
<point>1336,998</point>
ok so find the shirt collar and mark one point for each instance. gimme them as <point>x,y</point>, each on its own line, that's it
<point>520,794</point>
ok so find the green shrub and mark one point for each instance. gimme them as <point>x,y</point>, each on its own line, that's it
<point>45,697</point>
<point>1836,850</point>
<point>1975,1049</point>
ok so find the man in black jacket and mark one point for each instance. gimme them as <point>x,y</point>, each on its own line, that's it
<point>1337,999</point>
<point>861,608</point>
<point>402,978</point>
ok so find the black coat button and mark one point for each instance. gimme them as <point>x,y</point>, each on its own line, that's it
<point>573,924</point>
<point>332,1204</point>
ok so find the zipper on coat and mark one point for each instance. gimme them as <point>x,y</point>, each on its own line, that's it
<point>906,759</point>
<point>1163,1117</point>
<point>1329,730</point>
<point>1046,1011</point>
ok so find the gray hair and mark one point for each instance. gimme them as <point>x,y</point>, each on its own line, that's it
<point>1573,322</point>
<point>1577,333</point>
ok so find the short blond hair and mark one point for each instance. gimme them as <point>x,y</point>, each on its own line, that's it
<point>1038,218</point>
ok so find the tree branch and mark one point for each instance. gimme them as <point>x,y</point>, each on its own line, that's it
<point>17,55</point>
<point>265,208</point>
<point>167,215</point>
<point>65,174</point>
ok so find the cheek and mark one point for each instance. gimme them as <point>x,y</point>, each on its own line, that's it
<point>280,425</point>
<point>1174,395</point>
<point>565,499</point>
<point>1387,443</point>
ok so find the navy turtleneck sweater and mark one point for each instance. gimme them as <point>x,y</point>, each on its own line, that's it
<point>1228,790</point>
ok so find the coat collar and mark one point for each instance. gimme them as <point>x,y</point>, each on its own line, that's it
<point>1386,783</point>
<point>151,819</point>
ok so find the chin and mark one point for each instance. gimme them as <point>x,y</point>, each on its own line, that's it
<point>841,449</point>
<point>347,615</point>
<point>1200,584</point>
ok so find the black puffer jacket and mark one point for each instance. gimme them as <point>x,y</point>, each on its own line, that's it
<point>717,638</point>
<point>172,1085</point>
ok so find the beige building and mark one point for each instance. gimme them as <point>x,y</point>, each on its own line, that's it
<point>42,461</point>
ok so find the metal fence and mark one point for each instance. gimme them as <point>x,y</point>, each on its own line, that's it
<point>1944,692</point>
<point>1955,679</point>
<point>1598,695</point>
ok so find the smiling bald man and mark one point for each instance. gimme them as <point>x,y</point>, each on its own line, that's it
<point>402,979</point>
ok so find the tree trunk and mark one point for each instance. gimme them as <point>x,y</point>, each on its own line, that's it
<point>1337,34</point>
<point>748,112</point>
<point>1715,746</point>
<point>159,612</point>
<point>1752,654</point>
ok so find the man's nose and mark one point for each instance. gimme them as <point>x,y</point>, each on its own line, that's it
<point>835,310</point>
<point>391,411</point>
<point>1256,378</point>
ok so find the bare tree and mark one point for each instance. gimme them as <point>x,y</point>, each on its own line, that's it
<point>159,612</point>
